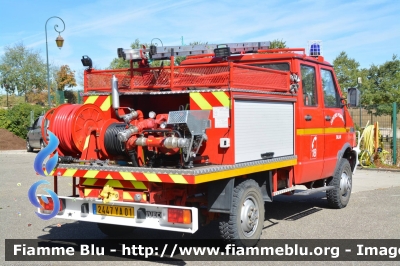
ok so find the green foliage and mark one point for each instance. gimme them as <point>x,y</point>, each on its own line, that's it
<point>71,96</point>
<point>277,44</point>
<point>65,77</point>
<point>118,63</point>
<point>22,70</point>
<point>379,84</point>
<point>347,71</point>
<point>12,100</point>
<point>17,119</point>
<point>382,88</point>
<point>3,119</point>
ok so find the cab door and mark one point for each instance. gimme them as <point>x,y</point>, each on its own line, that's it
<point>334,121</point>
<point>309,127</point>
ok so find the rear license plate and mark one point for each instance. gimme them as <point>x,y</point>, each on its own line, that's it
<point>112,210</point>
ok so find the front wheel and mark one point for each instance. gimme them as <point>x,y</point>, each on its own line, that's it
<point>339,197</point>
<point>243,226</point>
<point>28,146</point>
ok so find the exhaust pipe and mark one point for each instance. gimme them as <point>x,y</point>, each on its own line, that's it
<point>115,94</point>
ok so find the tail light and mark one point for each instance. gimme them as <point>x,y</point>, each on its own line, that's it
<point>179,216</point>
<point>49,206</point>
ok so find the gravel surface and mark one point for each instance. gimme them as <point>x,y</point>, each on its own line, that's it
<point>9,141</point>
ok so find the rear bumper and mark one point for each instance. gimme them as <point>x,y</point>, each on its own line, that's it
<point>156,215</point>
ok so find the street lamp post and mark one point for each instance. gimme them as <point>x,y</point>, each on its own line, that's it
<point>59,42</point>
<point>359,85</point>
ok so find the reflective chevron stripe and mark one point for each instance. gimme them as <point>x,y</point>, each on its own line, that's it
<point>100,100</point>
<point>208,100</point>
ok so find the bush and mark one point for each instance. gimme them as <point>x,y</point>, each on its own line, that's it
<point>17,119</point>
<point>3,119</point>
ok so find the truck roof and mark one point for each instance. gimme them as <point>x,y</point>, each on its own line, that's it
<point>263,55</point>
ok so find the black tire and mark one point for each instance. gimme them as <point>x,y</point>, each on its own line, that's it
<point>42,145</point>
<point>243,226</point>
<point>339,197</point>
<point>113,230</point>
<point>28,146</point>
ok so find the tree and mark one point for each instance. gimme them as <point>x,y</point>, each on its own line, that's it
<point>118,63</point>
<point>382,88</point>
<point>22,70</point>
<point>65,78</point>
<point>277,44</point>
<point>347,71</point>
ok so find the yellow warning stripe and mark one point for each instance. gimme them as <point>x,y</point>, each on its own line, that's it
<point>316,131</point>
<point>126,196</point>
<point>87,191</point>
<point>243,171</point>
<point>86,142</point>
<point>152,177</point>
<point>222,98</point>
<point>89,181</point>
<point>200,101</point>
<point>91,174</point>
<point>127,175</point>
<point>178,179</point>
<point>91,99</point>
<point>70,172</point>
<point>106,104</point>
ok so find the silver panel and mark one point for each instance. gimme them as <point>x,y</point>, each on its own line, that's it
<point>196,120</point>
<point>262,127</point>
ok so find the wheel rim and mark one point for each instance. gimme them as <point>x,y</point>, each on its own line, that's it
<point>28,147</point>
<point>345,185</point>
<point>249,216</point>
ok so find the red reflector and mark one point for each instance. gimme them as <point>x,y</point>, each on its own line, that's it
<point>179,216</point>
<point>50,205</point>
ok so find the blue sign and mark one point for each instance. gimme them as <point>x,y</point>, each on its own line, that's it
<point>35,202</point>
<point>50,165</point>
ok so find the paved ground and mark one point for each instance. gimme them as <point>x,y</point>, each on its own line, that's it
<point>373,212</point>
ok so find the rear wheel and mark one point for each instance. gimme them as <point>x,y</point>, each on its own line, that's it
<point>28,146</point>
<point>243,226</point>
<point>339,197</point>
<point>113,230</point>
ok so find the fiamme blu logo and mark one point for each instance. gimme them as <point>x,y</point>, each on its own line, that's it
<point>49,167</point>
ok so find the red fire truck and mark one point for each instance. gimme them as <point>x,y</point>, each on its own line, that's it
<point>174,147</point>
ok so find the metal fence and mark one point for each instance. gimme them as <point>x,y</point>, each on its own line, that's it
<point>69,97</point>
<point>361,116</point>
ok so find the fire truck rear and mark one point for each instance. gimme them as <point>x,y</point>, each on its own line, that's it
<point>174,147</point>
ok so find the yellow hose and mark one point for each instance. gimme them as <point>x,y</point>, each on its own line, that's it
<point>368,147</point>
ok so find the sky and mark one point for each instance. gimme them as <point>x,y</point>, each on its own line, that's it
<point>367,30</point>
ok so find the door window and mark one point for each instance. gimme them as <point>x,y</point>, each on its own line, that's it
<point>308,84</point>
<point>331,95</point>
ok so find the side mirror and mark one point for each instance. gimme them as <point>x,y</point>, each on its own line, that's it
<point>353,97</point>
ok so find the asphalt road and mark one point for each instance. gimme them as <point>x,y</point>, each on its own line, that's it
<point>373,213</point>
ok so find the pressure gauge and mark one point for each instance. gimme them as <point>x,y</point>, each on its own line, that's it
<point>152,114</point>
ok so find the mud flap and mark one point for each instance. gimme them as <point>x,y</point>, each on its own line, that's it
<point>220,195</point>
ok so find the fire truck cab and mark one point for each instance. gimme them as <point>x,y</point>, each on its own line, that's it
<point>172,147</point>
